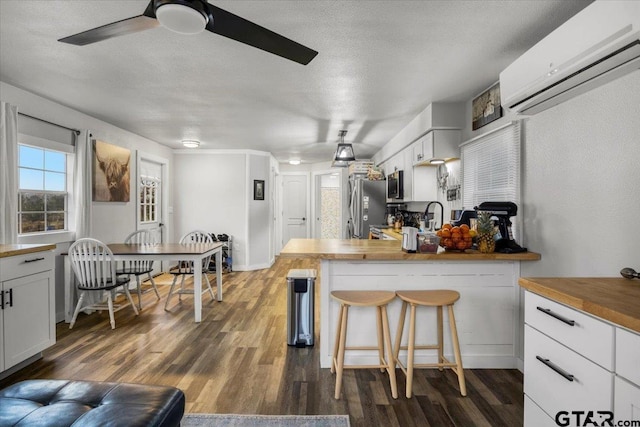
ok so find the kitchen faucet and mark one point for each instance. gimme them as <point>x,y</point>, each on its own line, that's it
<point>426,214</point>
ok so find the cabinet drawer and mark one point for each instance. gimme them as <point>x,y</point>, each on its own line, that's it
<point>25,265</point>
<point>534,416</point>
<point>628,355</point>
<point>587,335</point>
<point>627,401</point>
<point>591,388</point>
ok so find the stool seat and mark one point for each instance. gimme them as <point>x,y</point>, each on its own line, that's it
<point>430,298</point>
<point>440,299</point>
<point>364,298</point>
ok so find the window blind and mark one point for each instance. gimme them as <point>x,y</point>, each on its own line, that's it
<point>491,169</point>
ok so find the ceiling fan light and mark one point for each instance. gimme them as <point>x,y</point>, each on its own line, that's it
<point>181,18</point>
<point>345,152</point>
<point>191,143</point>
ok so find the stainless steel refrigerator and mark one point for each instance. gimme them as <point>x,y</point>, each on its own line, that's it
<point>367,206</point>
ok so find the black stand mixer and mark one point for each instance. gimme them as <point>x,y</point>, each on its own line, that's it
<point>503,211</point>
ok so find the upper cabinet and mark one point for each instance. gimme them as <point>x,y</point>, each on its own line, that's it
<point>440,144</point>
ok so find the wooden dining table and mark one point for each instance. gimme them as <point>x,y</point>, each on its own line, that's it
<point>194,252</point>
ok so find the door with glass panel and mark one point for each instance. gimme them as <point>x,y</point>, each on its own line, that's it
<point>150,200</point>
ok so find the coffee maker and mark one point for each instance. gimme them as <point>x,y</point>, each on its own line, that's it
<point>503,211</point>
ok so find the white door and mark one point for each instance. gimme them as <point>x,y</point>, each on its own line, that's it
<point>294,207</point>
<point>150,201</point>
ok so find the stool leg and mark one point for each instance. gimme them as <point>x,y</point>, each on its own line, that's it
<point>336,343</point>
<point>398,343</point>
<point>439,328</point>
<point>411,350</point>
<point>390,365</point>
<point>456,351</point>
<point>343,340</point>
<point>380,337</point>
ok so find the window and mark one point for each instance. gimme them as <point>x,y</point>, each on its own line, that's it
<point>42,190</point>
<point>491,169</point>
<point>149,199</point>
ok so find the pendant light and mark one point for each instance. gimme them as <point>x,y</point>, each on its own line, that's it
<point>344,152</point>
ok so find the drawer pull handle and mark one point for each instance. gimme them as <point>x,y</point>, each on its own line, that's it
<point>556,368</point>
<point>34,260</point>
<point>557,316</point>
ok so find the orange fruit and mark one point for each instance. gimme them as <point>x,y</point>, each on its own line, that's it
<point>447,226</point>
<point>464,227</point>
<point>445,232</point>
<point>455,229</point>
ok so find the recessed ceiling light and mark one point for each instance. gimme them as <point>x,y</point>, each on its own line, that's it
<point>294,162</point>
<point>191,143</point>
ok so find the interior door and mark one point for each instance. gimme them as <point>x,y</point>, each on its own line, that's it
<point>294,207</point>
<point>150,201</point>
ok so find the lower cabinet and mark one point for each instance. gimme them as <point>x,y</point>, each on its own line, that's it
<point>577,368</point>
<point>27,318</point>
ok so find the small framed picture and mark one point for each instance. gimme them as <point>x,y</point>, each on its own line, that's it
<point>486,107</point>
<point>258,189</point>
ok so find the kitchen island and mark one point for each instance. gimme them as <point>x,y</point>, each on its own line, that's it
<point>488,314</point>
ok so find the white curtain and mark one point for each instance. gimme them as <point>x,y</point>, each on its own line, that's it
<point>8,173</point>
<point>82,184</point>
<point>82,209</point>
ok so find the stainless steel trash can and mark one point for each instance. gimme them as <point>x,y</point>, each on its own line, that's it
<point>300,307</point>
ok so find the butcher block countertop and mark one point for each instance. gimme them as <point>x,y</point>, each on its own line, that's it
<point>375,249</point>
<point>615,299</point>
<point>13,250</point>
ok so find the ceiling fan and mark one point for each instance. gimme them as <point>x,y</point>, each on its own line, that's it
<point>193,16</point>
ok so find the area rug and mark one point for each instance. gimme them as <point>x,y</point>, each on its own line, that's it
<point>232,420</point>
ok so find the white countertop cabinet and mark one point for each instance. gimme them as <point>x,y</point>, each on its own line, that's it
<point>27,317</point>
<point>577,362</point>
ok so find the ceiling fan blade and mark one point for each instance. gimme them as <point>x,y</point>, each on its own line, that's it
<point>236,28</point>
<point>115,29</point>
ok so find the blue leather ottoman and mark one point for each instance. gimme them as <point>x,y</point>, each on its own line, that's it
<point>88,403</point>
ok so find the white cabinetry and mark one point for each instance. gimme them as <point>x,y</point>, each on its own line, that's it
<point>627,383</point>
<point>577,362</point>
<point>27,317</point>
<point>436,144</point>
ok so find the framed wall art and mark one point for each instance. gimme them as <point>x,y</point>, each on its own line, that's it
<point>486,107</point>
<point>111,173</point>
<point>258,189</point>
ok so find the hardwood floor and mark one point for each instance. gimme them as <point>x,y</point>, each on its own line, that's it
<point>237,361</point>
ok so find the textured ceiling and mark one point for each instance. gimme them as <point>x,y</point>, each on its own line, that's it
<point>379,64</point>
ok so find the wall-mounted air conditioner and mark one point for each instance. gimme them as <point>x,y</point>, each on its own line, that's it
<point>599,44</point>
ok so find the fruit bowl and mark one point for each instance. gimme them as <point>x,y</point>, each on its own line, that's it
<point>455,238</point>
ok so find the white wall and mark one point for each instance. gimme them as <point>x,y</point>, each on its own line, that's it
<point>214,193</point>
<point>582,183</point>
<point>211,195</point>
<point>259,218</point>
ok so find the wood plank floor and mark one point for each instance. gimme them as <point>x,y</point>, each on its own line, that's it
<point>237,361</point>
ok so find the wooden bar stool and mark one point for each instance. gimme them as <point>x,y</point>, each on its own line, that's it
<point>379,300</point>
<point>439,299</point>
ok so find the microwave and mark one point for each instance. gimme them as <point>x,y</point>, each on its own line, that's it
<point>395,185</point>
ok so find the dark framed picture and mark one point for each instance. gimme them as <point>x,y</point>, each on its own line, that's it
<point>486,107</point>
<point>258,189</point>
